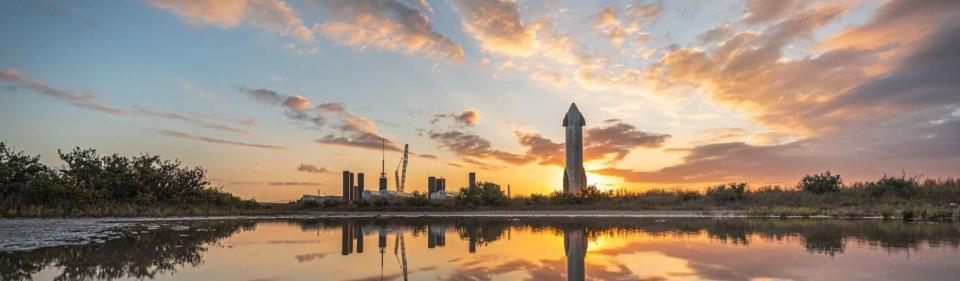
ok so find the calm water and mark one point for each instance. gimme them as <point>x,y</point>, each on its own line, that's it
<point>504,249</point>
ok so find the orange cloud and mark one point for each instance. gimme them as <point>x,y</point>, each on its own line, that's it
<point>274,16</point>
<point>388,25</point>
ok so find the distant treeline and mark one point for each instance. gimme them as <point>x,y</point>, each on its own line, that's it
<point>821,194</point>
<point>93,185</point>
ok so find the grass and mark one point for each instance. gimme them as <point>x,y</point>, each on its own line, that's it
<point>888,197</point>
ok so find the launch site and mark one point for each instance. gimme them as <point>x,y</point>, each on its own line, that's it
<point>478,140</point>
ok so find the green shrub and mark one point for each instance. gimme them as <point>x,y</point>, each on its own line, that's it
<point>89,180</point>
<point>417,199</point>
<point>485,194</point>
<point>592,194</point>
<point>821,183</point>
<point>727,192</point>
<point>311,204</point>
<point>901,186</point>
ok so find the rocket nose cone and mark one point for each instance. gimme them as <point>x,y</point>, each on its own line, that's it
<point>573,115</point>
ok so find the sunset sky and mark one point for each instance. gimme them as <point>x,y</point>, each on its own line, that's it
<point>275,98</point>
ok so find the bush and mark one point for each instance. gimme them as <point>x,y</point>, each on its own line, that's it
<point>89,182</point>
<point>417,199</point>
<point>821,183</point>
<point>591,194</point>
<point>727,192</point>
<point>485,194</point>
<point>901,186</point>
<point>311,204</point>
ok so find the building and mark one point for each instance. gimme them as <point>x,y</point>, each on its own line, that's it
<point>431,185</point>
<point>472,180</point>
<point>359,187</point>
<point>347,186</point>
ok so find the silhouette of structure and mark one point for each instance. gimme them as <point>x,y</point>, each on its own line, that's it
<point>436,236</point>
<point>575,248</point>
<point>431,185</point>
<point>359,187</point>
<point>349,192</point>
<point>400,175</point>
<point>383,166</point>
<point>352,234</point>
<point>574,177</point>
<point>473,180</point>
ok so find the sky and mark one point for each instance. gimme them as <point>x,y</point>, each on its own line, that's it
<point>275,98</point>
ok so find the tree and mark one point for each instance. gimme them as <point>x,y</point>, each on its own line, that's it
<point>821,183</point>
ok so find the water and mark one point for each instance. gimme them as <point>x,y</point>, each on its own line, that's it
<point>498,249</point>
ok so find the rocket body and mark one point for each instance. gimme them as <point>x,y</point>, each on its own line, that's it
<point>574,176</point>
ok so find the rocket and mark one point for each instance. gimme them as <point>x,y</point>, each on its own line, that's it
<point>574,177</point>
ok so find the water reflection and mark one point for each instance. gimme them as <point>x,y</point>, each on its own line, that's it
<point>485,249</point>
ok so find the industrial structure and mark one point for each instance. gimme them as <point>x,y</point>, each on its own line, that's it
<point>354,184</point>
<point>472,180</point>
<point>383,166</point>
<point>401,178</point>
<point>574,177</point>
<point>349,193</point>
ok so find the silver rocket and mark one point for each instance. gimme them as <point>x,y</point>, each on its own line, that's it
<point>574,177</point>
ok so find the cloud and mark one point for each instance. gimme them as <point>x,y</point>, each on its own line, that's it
<point>610,142</point>
<point>895,25</point>
<point>635,17</point>
<point>860,155</point>
<point>352,130</point>
<point>544,149</point>
<point>615,139</point>
<point>468,145</point>
<point>860,108</point>
<point>274,16</point>
<point>85,101</point>
<point>498,27</point>
<point>748,71</point>
<point>199,121</point>
<point>717,33</point>
<point>292,103</point>
<point>307,168</point>
<point>342,127</point>
<point>388,25</point>
<point>187,136</point>
<point>760,11</point>
<point>468,117</point>
<point>428,156</point>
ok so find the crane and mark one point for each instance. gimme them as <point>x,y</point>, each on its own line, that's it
<point>400,174</point>
<point>398,244</point>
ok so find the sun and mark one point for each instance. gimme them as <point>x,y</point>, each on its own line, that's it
<point>602,182</point>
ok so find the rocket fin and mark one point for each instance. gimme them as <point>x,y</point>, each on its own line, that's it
<point>583,121</point>
<point>583,178</point>
<point>564,120</point>
<point>566,182</point>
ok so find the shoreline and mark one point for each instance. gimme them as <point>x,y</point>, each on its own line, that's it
<point>504,214</point>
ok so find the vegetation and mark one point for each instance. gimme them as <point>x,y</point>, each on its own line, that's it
<point>93,185</point>
<point>485,194</point>
<point>815,195</point>
<point>820,184</point>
